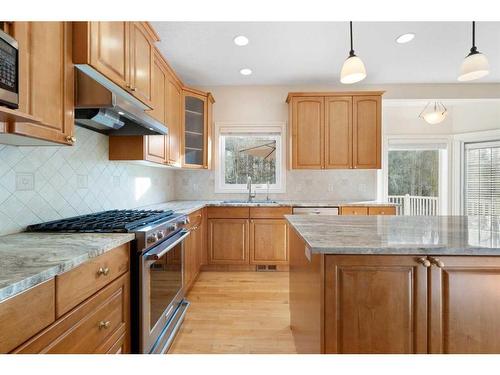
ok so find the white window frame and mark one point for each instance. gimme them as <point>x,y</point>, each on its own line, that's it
<point>458,171</point>
<point>445,164</point>
<point>267,128</point>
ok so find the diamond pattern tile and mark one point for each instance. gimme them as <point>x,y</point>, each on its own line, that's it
<point>56,193</point>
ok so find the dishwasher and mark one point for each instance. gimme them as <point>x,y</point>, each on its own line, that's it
<point>315,211</point>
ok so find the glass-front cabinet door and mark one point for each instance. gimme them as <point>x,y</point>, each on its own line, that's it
<point>196,129</point>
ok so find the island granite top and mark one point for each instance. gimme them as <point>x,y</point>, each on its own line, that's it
<point>399,235</point>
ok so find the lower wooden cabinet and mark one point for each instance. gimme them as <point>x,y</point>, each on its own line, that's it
<point>464,311</point>
<point>268,241</point>
<point>375,304</point>
<point>228,241</point>
<point>363,211</point>
<point>194,246</point>
<point>98,325</point>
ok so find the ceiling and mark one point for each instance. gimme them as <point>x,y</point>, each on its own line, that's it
<point>295,53</point>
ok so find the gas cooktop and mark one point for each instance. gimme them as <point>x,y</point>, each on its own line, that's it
<point>114,221</point>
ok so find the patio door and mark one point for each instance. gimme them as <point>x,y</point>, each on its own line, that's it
<point>416,177</point>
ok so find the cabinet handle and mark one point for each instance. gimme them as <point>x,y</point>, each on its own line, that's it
<point>133,89</point>
<point>127,85</point>
<point>104,324</point>
<point>104,271</point>
<point>424,261</point>
<point>437,262</point>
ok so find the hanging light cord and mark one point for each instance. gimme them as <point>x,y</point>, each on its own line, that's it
<point>473,50</point>
<point>351,52</point>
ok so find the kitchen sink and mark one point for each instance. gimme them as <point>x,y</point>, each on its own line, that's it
<point>253,201</point>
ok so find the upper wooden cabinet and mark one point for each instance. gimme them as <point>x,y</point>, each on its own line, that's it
<point>46,81</point>
<point>335,130</point>
<point>121,51</point>
<point>196,128</point>
<point>174,119</point>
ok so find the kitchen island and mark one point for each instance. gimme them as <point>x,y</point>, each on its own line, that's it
<point>395,284</point>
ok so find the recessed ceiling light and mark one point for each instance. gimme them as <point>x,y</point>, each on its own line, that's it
<point>405,38</point>
<point>246,71</point>
<point>240,40</point>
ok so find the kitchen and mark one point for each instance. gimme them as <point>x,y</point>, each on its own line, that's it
<point>230,203</point>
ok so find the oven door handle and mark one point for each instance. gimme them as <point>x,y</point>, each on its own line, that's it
<point>160,251</point>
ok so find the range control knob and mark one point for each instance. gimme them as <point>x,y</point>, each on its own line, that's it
<point>160,235</point>
<point>152,238</point>
<point>184,221</point>
<point>172,227</point>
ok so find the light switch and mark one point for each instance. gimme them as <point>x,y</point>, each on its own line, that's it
<point>25,181</point>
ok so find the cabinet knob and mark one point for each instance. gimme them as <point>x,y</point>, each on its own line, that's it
<point>70,139</point>
<point>104,324</point>
<point>104,271</point>
<point>424,261</point>
<point>133,89</point>
<point>437,262</point>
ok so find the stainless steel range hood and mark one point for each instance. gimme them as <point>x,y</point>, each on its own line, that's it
<point>103,106</point>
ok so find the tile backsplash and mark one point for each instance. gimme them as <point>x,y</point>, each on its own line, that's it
<point>51,182</point>
<point>309,185</point>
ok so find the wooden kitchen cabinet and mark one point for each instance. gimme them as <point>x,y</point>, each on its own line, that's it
<point>193,248</point>
<point>375,304</point>
<point>121,51</point>
<point>335,130</point>
<point>46,85</point>
<point>228,241</point>
<point>363,211</point>
<point>464,306</point>
<point>268,241</point>
<point>366,132</point>
<point>174,121</point>
<point>196,128</point>
<point>307,119</point>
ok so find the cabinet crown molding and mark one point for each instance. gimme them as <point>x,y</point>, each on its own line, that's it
<point>333,93</point>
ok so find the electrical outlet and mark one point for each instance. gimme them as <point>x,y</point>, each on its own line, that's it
<point>81,181</point>
<point>25,181</point>
<point>331,188</point>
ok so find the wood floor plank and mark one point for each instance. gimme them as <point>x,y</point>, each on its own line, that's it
<point>237,313</point>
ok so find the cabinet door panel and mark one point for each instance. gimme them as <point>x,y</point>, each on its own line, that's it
<point>46,79</point>
<point>110,50</point>
<point>338,132</point>
<point>174,99</point>
<point>268,241</point>
<point>228,241</point>
<point>307,132</point>
<point>156,148</point>
<point>375,304</point>
<point>465,306</point>
<point>141,62</point>
<point>366,132</point>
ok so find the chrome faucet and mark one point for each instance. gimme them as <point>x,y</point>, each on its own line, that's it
<point>249,187</point>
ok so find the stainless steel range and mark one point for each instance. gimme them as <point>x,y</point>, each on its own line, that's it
<point>158,303</point>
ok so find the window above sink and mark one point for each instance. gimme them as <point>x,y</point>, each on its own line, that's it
<point>249,150</point>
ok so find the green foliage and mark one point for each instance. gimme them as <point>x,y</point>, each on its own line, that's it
<point>414,172</point>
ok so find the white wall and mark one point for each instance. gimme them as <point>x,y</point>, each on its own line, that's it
<point>69,181</point>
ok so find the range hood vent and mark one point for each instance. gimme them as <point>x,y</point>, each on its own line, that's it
<point>105,107</point>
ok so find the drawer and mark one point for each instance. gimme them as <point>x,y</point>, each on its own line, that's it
<point>24,315</point>
<point>74,286</point>
<point>228,212</point>
<point>353,210</point>
<point>93,327</point>
<point>388,210</point>
<point>269,212</point>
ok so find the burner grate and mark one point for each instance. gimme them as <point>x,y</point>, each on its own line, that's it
<point>106,221</point>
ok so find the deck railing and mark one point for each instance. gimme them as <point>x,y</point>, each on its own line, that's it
<point>415,205</point>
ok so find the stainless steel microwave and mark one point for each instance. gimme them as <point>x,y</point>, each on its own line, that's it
<point>9,71</point>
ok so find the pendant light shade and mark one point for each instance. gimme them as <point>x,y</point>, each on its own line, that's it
<point>435,114</point>
<point>353,69</point>
<point>475,65</point>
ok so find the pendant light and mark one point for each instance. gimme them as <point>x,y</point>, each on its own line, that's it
<point>353,69</point>
<point>434,115</point>
<point>475,64</point>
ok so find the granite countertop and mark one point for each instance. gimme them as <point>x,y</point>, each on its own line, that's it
<point>399,235</point>
<point>187,207</point>
<point>28,259</point>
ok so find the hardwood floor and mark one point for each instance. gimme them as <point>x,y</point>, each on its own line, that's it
<point>237,312</point>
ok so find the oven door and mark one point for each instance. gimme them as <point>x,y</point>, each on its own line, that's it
<point>161,296</point>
